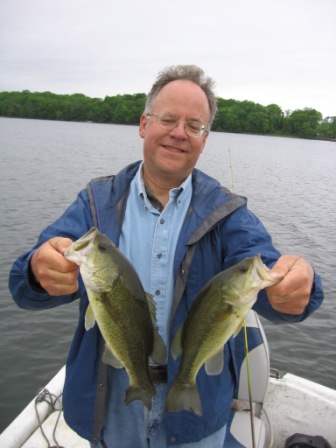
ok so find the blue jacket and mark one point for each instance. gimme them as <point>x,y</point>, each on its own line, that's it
<point>218,232</point>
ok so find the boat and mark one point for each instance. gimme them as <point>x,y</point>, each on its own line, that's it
<point>41,423</point>
<point>286,410</point>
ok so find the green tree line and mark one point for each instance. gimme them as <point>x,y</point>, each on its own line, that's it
<point>232,116</point>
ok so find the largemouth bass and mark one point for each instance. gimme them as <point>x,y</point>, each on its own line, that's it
<point>124,313</point>
<point>217,313</point>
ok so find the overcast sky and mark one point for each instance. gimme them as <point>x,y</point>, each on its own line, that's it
<point>266,51</point>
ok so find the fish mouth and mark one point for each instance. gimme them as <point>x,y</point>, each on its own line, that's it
<point>78,250</point>
<point>261,272</point>
<point>84,241</point>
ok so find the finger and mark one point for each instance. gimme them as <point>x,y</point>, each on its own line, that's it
<point>57,261</point>
<point>283,266</point>
<point>292,294</point>
<point>296,307</point>
<point>62,283</point>
<point>52,271</point>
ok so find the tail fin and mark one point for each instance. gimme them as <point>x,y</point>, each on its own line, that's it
<point>140,393</point>
<point>184,396</point>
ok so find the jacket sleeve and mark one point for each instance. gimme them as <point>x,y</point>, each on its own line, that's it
<point>75,221</point>
<point>244,235</point>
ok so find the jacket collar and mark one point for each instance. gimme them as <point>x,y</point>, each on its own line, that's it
<point>210,202</point>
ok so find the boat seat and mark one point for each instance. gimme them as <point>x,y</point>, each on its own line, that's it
<point>239,434</point>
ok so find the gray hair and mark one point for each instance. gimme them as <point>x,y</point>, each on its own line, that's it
<point>189,73</point>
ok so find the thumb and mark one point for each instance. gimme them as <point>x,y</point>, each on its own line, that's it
<point>284,264</point>
<point>277,274</point>
<point>60,244</point>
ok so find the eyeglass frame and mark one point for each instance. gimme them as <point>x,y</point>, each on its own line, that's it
<point>202,131</point>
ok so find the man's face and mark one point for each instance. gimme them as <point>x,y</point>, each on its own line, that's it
<point>170,154</point>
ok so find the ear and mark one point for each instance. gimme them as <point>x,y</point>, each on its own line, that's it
<point>204,140</point>
<point>142,127</point>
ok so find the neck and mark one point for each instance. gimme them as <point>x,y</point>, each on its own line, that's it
<point>160,187</point>
<point>160,192</point>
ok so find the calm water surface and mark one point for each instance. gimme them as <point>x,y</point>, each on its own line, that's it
<point>290,184</point>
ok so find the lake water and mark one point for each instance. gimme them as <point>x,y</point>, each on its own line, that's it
<point>291,186</point>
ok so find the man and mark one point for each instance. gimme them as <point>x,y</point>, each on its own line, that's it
<point>179,228</point>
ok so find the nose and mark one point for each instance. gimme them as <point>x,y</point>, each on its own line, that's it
<point>179,131</point>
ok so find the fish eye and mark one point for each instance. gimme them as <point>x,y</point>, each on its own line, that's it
<point>243,269</point>
<point>102,247</point>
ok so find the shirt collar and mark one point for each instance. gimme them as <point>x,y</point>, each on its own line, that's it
<point>177,194</point>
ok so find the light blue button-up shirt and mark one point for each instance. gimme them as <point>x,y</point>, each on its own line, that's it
<point>148,239</point>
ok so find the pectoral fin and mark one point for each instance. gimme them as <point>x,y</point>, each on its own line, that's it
<point>152,308</point>
<point>159,352</point>
<point>176,346</point>
<point>89,318</point>
<point>110,359</point>
<point>214,365</point>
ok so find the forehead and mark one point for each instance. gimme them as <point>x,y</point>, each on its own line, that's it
<point>182,97</point>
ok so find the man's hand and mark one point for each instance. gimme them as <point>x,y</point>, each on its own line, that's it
<point>57,275</point>
<point>291,295</point>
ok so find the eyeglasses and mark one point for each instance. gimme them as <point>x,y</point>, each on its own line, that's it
<point>192,128</point>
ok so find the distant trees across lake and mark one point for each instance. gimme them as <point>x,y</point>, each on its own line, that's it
<point>232,116</point>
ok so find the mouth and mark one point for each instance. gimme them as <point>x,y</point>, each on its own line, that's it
<point>174,149</point>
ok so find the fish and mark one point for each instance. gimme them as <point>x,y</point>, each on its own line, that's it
<point>123,311</point>
<point>217,313</point>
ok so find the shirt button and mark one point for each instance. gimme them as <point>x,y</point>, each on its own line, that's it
<point>157,292</point>
<point>162,221</point>
<point>159,255</point>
